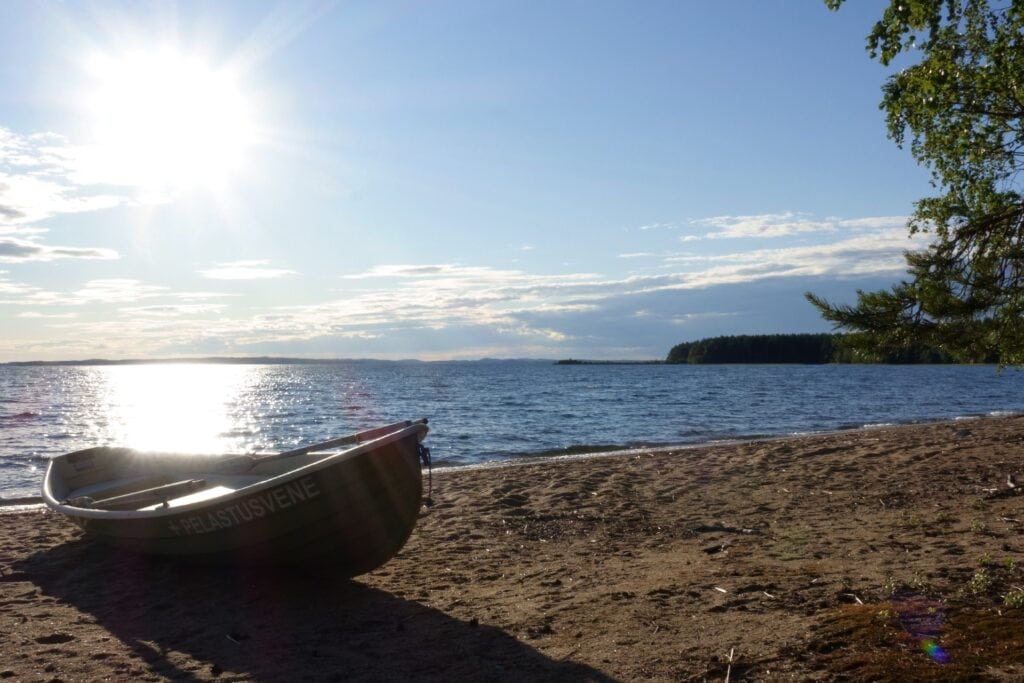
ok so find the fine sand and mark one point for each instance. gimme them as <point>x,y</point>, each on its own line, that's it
<point>886,553</point>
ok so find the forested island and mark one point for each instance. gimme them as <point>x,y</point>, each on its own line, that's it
<point>797,348</point>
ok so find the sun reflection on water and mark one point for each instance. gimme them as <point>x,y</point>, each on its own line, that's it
<point>186,408</point>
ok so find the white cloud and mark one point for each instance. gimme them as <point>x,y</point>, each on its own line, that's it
<point>875,254</point>
<point>774,225</point>
<point>46,316</point>
<point>28,198</point>
<point>37,181</point>
<point>201,296</point>
<point>245,270</point>
<point>438,296</point>
<point>789,223</point>
<point>15,293</point>
<point>100,292</point>
<point>764,225</point>
<point>113,291</point>
<point>872,222</point>
<point>22,230</point>
<point>467,306</point>
<point>448,294</point>
<point>406,270</point>
<point>15,250</point>
<point>452,282</point>
<point>172,310</point>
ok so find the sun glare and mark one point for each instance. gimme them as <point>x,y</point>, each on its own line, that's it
<point>166,120</point>
<point>181,408</point>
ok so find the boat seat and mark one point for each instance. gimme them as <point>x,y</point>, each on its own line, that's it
<point>217,485</point>
<point>146,497</point>
<point>116,487</point>
<point>234,481</point>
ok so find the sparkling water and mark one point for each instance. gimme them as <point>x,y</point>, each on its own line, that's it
<point>479,411</point>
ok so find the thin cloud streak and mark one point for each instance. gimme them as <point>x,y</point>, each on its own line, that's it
<point>14,250</point>
<point>171,310</point>
<point>99,292</point>
<point>36,315</point>
<point>788,223</point>
<point>245,270</point>
<point>765,225</point>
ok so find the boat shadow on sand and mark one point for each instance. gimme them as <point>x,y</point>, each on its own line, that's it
<point>196,623</point>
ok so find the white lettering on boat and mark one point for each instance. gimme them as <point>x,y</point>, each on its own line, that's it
<point>246,510</point>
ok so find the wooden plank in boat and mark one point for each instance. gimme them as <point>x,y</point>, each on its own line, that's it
<point>198,496</point>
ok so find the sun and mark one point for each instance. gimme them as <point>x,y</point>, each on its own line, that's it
<point>166,120</point>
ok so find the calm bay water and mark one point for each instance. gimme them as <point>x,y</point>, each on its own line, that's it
<point>479,412</point>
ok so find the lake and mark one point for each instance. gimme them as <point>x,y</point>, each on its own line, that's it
<point>479,411</point>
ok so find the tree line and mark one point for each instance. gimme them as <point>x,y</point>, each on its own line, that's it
<point>800,348</point>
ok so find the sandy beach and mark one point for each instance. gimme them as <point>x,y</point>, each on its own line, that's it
<point>889,553</point>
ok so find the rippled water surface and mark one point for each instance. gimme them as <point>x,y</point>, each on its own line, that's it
<point>478,411</point>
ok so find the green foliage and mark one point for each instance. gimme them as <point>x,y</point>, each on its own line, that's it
<point>980,582</point>
<point>960,107</point>
<point>768,348</point>
<point>919,582</point>
<point>793,348</point>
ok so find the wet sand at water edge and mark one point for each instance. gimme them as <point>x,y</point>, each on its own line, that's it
<point>889,553</point>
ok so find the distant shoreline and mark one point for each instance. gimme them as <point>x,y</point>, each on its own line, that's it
<point>574,361</point>
<point>253,360</point>
<point>274,360</point>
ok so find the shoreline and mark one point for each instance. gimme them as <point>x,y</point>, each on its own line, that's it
<point>888,553</point>
<point>513,460</point>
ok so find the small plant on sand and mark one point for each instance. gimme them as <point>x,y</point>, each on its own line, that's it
<point>1015,598</point>
<point>885,615</point>
<point>911,521</point>
<point>890,586</point>
<point>978,526</point>
<point>985,560</point>
<point>980,582</point>
<point>1009,564</point>
<point>918,582</point>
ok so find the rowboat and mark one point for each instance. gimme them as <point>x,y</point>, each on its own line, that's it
<point>353,508</point>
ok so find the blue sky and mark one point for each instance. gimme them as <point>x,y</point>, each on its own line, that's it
<point>437,180</point>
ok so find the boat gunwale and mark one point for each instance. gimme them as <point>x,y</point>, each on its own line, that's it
<point>330,460</point>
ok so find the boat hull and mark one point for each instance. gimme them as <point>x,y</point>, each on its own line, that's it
<point>355,513</point>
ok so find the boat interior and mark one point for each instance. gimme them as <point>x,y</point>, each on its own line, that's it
<point>123,479</point>
<point>110,478</point>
